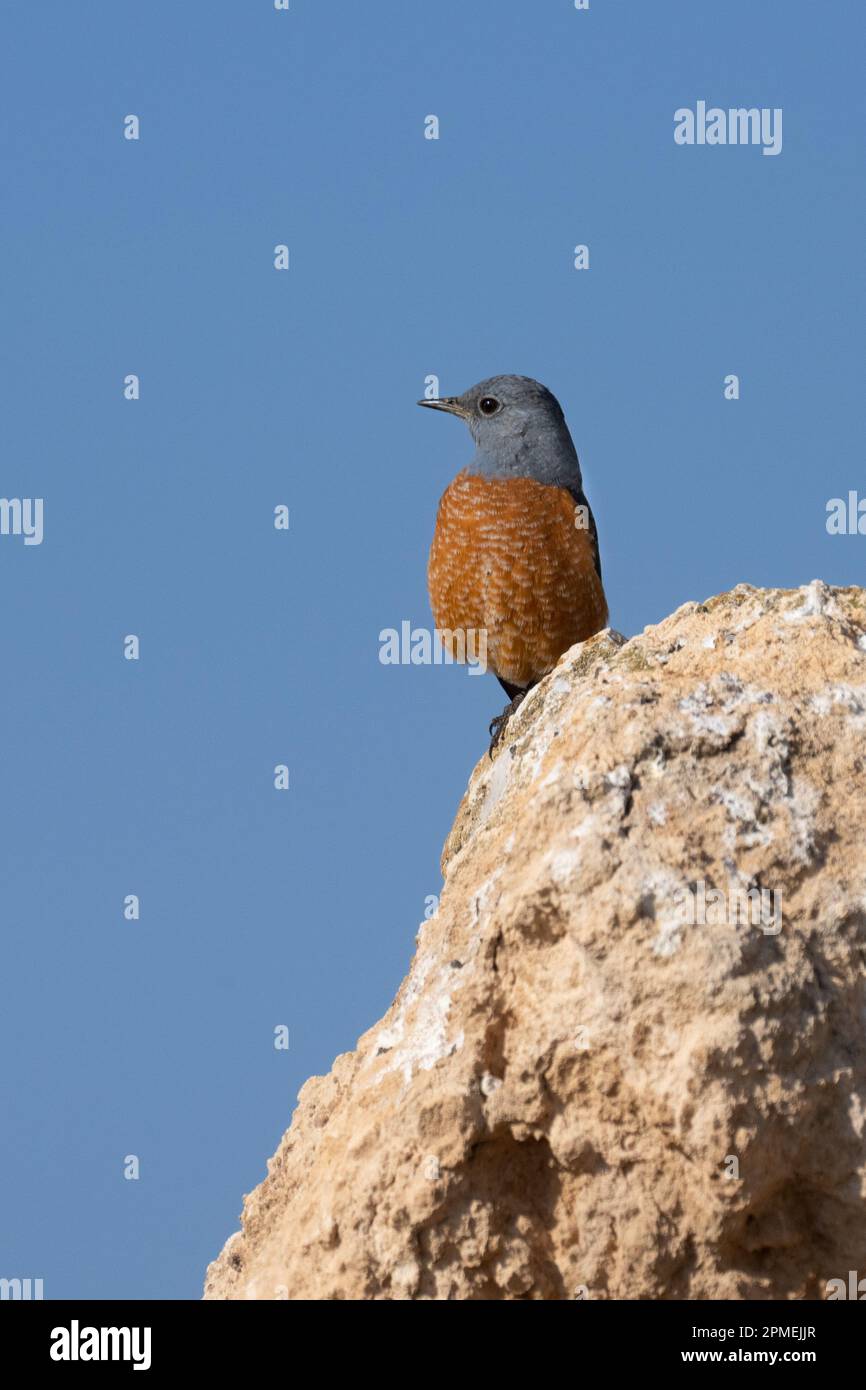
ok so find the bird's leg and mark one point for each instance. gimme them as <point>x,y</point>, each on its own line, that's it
<point>499,724</point>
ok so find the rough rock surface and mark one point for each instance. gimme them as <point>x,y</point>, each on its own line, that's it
<point>576,1093</point>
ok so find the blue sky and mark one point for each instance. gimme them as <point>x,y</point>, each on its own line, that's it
<point>409,257</point>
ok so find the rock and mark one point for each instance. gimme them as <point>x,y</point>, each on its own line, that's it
<point>579,1092</point>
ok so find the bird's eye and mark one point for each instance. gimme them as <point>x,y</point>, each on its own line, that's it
<point>488,405</point>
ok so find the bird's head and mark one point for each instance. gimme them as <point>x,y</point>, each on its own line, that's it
<point>518,427</point>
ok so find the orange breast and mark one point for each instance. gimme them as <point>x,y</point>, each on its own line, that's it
<point>508,559</point>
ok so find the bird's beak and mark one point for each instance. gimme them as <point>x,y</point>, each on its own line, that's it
<point>449,403</point>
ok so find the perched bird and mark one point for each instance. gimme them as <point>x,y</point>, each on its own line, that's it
<point>515,550</point>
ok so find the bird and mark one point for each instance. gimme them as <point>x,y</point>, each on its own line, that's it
<point>515,551</point>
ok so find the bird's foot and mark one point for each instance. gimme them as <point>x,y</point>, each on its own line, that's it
<point>499,724</point>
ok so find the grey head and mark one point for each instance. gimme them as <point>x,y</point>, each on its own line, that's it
<point>519,430</point>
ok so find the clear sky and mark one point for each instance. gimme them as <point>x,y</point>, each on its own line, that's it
<point>409,257</point>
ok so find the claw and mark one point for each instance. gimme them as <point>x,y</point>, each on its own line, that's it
<point>499,724</point>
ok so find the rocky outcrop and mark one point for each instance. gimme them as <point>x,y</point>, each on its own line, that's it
<point>609,1073</point>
